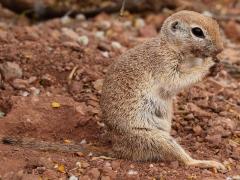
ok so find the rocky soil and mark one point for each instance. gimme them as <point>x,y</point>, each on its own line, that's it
<point>51,79</point>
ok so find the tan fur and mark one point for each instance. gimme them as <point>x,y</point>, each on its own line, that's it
<point>139,87</point>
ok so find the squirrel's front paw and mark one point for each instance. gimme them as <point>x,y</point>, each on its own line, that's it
<point>215,69</point>
<point>207,164</point>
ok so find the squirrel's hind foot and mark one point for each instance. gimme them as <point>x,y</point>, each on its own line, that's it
<point>207,164</point>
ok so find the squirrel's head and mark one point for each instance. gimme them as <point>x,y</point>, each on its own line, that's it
<point>192,32</point>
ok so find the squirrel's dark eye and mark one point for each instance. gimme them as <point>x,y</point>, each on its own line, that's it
<point>198,32</point>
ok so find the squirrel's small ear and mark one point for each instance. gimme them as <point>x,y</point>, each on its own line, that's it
<point>175,26</point>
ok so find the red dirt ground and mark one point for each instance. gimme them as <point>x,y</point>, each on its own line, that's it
<point>206,121</point>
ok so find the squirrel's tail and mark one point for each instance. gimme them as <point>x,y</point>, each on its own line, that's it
<point>31,143</point>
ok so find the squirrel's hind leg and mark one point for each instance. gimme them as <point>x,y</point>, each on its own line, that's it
<point>152,145</point>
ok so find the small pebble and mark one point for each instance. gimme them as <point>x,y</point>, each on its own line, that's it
<point>2,114</point>
<point>78,164</point>
<point>32,79</point>
<point>132,166</point>
<point>139,23</point>
<point>65,20</point>
<point>100,124</point>
<point>99,35</point>
<point>41,170</point>
<point>98,84</point>
<point>105,54</point>
<point>189,116</point>
<point>35,91</point>
<point>197,129</point>
<point>116,45</point>
<point>127,24</point>
<point>83,141</point>
<point>81,17</point>
<point>55,104</point>
<point>70,33</point>
<point>73,177</point>
<point>83,40</point>
<point>104,25</point>
<point>73,45</point>
<point>151,166</point>
<point>24,93</point>
<point>11,70</point>
<point>132,172</point>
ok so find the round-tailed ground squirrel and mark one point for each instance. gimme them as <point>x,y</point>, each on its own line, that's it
<point>139,87</point>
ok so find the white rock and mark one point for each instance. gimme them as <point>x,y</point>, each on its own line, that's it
<point>105,54</point>
<point>78,164</point>
<point>127,24</point>
<point>99,35</point>
<point>73,177</point>
<point>139,23</point>
<point>83,141</point>
<point>83,40</point>
<point>90,154</point>
<point>65,20</point>
<point>132,172</point>
<point>24,93</point>
<point>101,124</point>
<point>2,114</point>
<point>81,17</point>
<point>116,45</point>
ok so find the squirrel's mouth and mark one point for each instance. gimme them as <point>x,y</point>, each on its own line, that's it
<point>215,57</point>
<point>205,53</point>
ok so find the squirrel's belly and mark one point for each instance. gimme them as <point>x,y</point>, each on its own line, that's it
<point>157,113</point>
